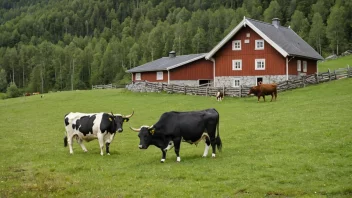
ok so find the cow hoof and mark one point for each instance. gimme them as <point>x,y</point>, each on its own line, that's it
<point>178,159</point>
<point>108,154</point>
<point>162,160</point>
<point>213,155</point>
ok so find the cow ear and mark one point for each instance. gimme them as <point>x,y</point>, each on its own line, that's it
<point>126,119</point>
<point>151,131</point>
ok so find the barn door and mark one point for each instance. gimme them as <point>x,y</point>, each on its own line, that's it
<point>259,79</point>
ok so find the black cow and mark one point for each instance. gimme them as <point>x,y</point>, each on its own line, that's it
<point>174,127</point>
<point>90,126</point>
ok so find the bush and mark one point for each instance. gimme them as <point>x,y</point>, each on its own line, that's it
<point>3,96</point>
<point>13,91</point>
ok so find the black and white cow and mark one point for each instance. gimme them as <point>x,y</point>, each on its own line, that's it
<point>90,126</point>
<point>174,127</point>
<point>219,96</point>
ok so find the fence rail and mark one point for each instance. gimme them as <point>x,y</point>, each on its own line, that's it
<point>242,91</point>
<point>108,86</point>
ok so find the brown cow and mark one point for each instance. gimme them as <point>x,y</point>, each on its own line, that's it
<point>263,90</point>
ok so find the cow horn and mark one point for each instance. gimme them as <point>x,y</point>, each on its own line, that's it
<point>151,127</point>
<point>136,130</point>
<point>128,116</point>
<point>112,113</point>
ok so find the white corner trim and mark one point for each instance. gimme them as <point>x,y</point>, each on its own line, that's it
<point>183,63</point>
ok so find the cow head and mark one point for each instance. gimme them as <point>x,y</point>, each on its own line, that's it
<point>145,135</point>
<point>253,90</point>
<point>120,119</point>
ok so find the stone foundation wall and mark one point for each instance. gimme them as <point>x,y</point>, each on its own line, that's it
<point>228,81</point>
<point>185,82</point>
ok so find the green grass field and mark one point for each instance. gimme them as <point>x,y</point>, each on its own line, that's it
<point>335,64</point>
<point>298,146</point>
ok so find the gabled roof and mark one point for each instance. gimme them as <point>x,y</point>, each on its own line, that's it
<point>283,39</point>
<point>167,63</point>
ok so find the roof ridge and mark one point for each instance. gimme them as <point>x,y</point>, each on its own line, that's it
<point>267,23</point>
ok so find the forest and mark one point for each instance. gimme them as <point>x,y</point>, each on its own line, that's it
<point>57,45</point>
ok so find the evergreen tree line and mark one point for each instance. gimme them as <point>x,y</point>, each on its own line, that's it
<point>49,45</point>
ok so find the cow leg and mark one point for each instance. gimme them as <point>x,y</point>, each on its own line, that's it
<point>107,144</point>
<point>101,143</point>
<point>207,146</point>
<point>163,156</point>
<point>272,96</point>
<point>80,142</point>
<point>264,98</point>
<point>69,141</point>
<point>177,143</point>
<point>213,146</point>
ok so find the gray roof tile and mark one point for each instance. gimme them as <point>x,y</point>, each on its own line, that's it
<point>287,39</point>
<point>166,63</point>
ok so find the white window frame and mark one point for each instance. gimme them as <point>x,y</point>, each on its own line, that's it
<point>299,65</point>
<point>159,75</point>
<point>239,61</point>
<point>256,44</point>
<point>236,80</point>
<point>138,76</point>
<point>304,66</point>
<point>262,60</point>
<point>234,47</point>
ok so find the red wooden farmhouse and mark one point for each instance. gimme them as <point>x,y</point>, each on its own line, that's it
<point>253,51</point>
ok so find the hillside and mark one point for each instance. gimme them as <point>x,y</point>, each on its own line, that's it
<point>49,45</point>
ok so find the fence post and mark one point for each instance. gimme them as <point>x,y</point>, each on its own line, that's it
<point>329,75</point>
<point>335,74</point>
<point>185,89</point>
<point>223,90</point>
<point>286,85</point>
<point>304,81</point>
<point>241,91</point>
<point>206,91</point>
<point>349,71</point>
<point>317,77</point>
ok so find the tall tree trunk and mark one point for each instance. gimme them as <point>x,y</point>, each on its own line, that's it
<point>13,73</point>
<point>42,79</point>
<point>23,76</point>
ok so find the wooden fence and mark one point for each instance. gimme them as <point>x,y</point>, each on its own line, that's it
<point>108,86</point>
<point>242,91</point>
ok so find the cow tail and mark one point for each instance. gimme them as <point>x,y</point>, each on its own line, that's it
<point>65,141</point>
<point>218,140</point>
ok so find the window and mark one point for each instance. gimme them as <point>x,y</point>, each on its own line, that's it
<point>248,35</point>
<point>159,75</point>
<point>236,82</point>
<point>138,76</point>
<point>259,44</point>
<point>236,45</point>
<point>236,64</point>
<point>304,66</point>
<point>299,65</point>
<point>259,64</point>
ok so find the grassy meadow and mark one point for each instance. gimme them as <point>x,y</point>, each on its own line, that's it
<point>298,146</point>
<point>335,64</point>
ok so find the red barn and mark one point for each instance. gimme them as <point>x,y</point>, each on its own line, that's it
<point>191,70</point>
<point>253,51</point>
